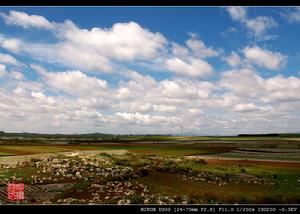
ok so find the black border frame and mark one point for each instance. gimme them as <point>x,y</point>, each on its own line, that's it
<point>12,208</point>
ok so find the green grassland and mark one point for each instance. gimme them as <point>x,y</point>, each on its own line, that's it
<point>167,180</point>
<point>32,138</point>
<point>263,149</point>
<point>171,171</point>
<point>5,154</point>
<point>37,149</point>
<point>164,150</point>
<point>165,177</point>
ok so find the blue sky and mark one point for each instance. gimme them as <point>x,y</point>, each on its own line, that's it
<point>212,70</point>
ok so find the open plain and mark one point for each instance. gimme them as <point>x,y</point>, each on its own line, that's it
<point>175,171</point>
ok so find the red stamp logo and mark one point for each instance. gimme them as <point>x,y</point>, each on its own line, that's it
<point>15,191</point>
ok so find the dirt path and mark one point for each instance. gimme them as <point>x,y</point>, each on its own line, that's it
<point>14,160</point>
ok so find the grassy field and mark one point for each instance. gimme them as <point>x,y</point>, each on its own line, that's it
<point>136,148</point>
<point>6,154</point>
<point>274,154</point>
<point>255,171</point>
<point>164,150</point>
<point>27,150</point>
<point>270,150</point>
<point>33,138</point>
<point>178,178</point>
<point>168,181</point>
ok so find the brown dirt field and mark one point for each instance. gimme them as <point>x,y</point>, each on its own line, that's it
<point>235,161</point>
<point>174,185</point>
<point>29,150</point>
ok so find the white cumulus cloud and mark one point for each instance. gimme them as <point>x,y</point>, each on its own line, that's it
<point>293,15</point>
<point>3,71</point>
<point>265,58</point>
<point>199,48</point>
<point>233,59</point>
<point>75,82</point>
<point>261,24</point>
<point>258,25</point>
<point>26,21</point>
<point>192,67</point>
<point>8,59</point>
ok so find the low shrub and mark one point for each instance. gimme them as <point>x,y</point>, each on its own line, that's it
<point>199,161</point>
<point>243,200</point>
<point>135,199</point>
<point>242,170</point>
<point>143,172</point>
<point>34,160</point>
<point>122,162</point>
<point>104,154</point>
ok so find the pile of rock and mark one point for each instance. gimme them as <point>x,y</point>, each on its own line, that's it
<point>251,179</point>
<point>207,177</point>
<point>226,179</point>
<point>77,168</point>
<point>116,190</point>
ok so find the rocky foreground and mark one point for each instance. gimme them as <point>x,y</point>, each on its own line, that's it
<point>83,179</point>
<point>107,179</point>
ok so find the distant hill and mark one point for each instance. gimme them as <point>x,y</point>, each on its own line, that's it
<point>129,136</point>
<point>258,135</point>
<point>271,135</point>
<point>37,135</point>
